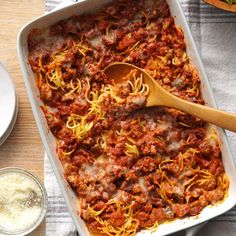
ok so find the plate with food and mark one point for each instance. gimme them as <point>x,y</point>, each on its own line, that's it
<point>228,5</point>
<point>125,169</point>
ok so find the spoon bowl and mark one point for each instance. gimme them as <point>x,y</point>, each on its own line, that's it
<point>117,72</point>
<point>158,96</point>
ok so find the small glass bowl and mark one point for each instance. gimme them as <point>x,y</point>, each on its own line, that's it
<point>44,203</point>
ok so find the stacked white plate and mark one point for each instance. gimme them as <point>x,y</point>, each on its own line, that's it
<point>8,104</point>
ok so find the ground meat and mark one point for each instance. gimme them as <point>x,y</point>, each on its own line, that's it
<point>53,120</point>
<point>150,146</point>
<point>157,215</point>
<point>46,92</point>
<point>180,209</point>
<point>142,217</point>
<point>125,42</point>
<point>83,157</point>
<point>117,219</point>
<point>172,167</point>
<point>214,195</point>
<point>146,164</point>
<point>66,135</point>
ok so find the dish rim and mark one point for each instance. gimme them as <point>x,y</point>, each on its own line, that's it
<point>39,123</point>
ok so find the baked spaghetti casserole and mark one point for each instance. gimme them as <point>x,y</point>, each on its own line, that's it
<point>131,167</point>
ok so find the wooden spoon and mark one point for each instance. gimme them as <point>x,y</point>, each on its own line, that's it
<point>158,96</point>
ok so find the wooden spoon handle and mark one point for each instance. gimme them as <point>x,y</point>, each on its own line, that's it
<point>220,118</point>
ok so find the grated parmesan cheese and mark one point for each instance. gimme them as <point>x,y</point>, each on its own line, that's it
<point>20,202</point>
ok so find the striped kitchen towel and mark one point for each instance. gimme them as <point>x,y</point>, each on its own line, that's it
<point>214,32</point>
<point>58,219</point>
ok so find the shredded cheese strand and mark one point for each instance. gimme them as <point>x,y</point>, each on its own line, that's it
<point>79,126</point>
<point>130,226</point>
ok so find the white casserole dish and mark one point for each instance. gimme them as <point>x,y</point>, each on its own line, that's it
<point>49,140</point>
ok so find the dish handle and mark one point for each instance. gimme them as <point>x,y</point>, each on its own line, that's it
<point>193,230</point>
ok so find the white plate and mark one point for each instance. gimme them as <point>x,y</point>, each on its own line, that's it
<point>10,128</point>
<point>8,104</point>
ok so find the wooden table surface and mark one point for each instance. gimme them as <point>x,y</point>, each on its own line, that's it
<point>23,148</point>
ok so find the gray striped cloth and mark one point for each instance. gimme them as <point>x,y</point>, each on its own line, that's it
<point>214,32</point>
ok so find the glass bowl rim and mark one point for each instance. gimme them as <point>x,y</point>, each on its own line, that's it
<point>44,207</point>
